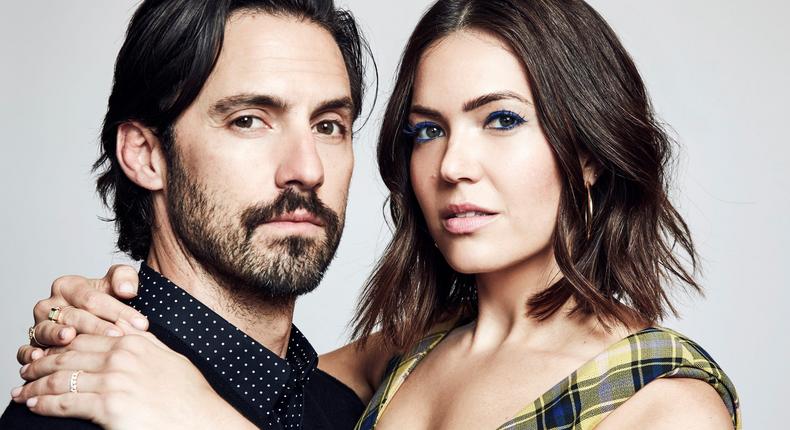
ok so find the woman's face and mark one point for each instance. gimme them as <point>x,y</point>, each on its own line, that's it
<point>481,168</point>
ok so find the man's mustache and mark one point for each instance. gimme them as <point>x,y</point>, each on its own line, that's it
<point>289,201</point>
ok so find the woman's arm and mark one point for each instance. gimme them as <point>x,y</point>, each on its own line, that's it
<point>89,306</point>
<point>126,382</point>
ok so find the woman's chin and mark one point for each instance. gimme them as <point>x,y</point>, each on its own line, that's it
<point>482,260</point>
<point>472,265</point>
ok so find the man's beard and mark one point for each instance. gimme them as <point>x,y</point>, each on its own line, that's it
<point>222,241</point>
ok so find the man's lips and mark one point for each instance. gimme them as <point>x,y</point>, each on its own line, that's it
<point>298,219</point>
<point>466,218</point>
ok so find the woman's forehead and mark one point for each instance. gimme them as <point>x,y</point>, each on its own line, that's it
<point>465,65</point>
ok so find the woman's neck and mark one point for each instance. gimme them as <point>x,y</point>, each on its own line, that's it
<point>504,317</point>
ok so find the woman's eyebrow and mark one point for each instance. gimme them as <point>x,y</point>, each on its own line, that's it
<point>492,97</point>
<point>471,105</point>
<point>427,112</point>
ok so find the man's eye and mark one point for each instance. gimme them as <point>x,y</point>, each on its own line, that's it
<point>248,122</point>
<point>329,128</point>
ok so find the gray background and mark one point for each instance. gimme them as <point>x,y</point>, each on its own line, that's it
<point>717,71</point>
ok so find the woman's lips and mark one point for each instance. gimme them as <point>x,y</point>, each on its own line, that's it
<point>467,224</point>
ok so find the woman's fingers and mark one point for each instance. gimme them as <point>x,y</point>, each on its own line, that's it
<point>102,305</point>
<point>123,281</point>
<point>127,329</point>
<point>70,322</point>
<point>86,343</point>
<point>50,333</point>
<point>87,361</point>
<point>75,405</point>
<point>60,383</point>
<point>27,354</point>
<point>43,307</point>
<point>93,296</point>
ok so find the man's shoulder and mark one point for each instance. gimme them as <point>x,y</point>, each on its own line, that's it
<point>330,404</point>
<point>18,417</point>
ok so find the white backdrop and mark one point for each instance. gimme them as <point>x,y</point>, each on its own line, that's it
<point>717,71</point>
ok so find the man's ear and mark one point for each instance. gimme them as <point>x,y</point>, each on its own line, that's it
<point>140,155</point>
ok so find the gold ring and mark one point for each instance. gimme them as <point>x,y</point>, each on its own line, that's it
<point>54,314</point>
<point>31,334</point>
<point>73,381</point>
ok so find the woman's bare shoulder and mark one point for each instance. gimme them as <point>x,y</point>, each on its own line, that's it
<point>359,365</point>
<point>671,403</point>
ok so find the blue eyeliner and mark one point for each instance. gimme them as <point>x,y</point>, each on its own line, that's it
<point>409,130</point>
<point>414,131</point>
<point>518,119</point>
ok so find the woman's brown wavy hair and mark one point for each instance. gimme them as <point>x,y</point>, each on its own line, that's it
<point>590,101</point>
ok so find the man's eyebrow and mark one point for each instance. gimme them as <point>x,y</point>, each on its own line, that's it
<point>341,103</point>
<point>492,97</point>
<point>228,104</point>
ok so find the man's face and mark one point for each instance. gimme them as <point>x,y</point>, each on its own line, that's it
<point>262,160</point>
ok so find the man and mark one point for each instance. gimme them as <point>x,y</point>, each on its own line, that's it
<point>226,153</point>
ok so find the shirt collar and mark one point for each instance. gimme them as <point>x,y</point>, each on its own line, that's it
<point>254,372</point>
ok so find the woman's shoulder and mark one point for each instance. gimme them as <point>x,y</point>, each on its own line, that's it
<point>676,353</point>
<point>658,334</point>
<point>672,403</point>
<point>360,365</point>
<point>681,384</point>
<point>653,376</point>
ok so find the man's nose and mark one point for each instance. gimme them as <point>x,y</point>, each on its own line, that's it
<point>301,166</point>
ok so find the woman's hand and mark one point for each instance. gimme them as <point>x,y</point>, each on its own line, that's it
<point>133,381</point>
<point>87,306</point>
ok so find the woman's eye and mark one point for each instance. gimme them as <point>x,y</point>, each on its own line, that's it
<point>248,122</point>
<point>504,120</point>
<point>425,131</point>
<point>329,128</point>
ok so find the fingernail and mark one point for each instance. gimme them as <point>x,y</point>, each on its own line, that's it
<point>16,392</point>
<point>126,287</point>
<point>63,333</point>
<point>22,370</point>
<point>31,402</point>
<point>140,323</point>
<point>114,332</point>
<point>37,354</point>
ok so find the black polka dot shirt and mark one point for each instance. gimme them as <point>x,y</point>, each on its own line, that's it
<point>266,388</point>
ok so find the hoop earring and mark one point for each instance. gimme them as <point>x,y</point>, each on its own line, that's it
<point>589,209</point>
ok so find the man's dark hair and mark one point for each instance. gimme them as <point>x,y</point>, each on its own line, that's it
<point>171,47</point>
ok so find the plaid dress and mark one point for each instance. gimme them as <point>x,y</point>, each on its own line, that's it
<point>584,398</point>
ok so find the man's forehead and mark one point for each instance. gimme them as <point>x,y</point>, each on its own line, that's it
<point>293,58</point>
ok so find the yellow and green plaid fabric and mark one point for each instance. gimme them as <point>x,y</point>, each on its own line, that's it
<point>584,398</point>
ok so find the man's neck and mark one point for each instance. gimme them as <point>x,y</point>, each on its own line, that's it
<point>269,324</point>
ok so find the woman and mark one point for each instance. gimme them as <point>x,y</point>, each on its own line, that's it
<point>534,239</point>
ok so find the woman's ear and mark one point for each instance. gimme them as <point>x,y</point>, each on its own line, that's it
<point>140,155</point>
<point>590,168</point>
